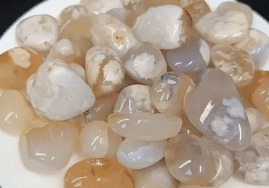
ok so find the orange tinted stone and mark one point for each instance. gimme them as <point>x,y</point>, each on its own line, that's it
<point>16,65</point>
<point>98,173</point>
<point>260,97</point>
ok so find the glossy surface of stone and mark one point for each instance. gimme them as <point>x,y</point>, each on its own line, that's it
<point>101,6</point>
<point>145,126</point>
<point>234,62</point>
<point>17,65</point>
<point>260,97</point>
<point>215,109</point>
<point>98,173</point>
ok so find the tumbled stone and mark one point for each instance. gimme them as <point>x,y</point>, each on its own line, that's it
<point>104,70</point>
<point>58,92</point>
<point>192,186</point>
<point>119,13</point>
<point>79,70</point>
<point>260,97</point>
<point>155,176</point>
<point>98,173</point>
<point>137,154</point>
<point>193,55</point>
<point>215,109</point>
<point>144,63</point>
<point>256,119</point>
<point>229,24</point>
<point>169,92</point>
<point>49,148</point>
<point>188,127</point>
<point>260,142</point>
<point>109,31</point>
<point>134,98</point>
<point>39,32</point>
<point>145,126</point>
<point>17,65</point>
<point>98,140</point>
<point>166,27</point>
<point>101,6</point>
<point>189,159</point>
<point>234,62</point>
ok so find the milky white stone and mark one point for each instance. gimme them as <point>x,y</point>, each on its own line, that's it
<point>79,70</point>
<point>58,92</point>
<point>101,6</point>
<point>256,119</point>
<point>135,154</point>
<point>120,14</point>
<point>135,98</point>
<point>155,176</point>
<point>39,32</point>
<point>64,47</point>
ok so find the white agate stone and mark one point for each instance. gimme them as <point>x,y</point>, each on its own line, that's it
<point>136,154</point>
<point>119,13</point>
<point>101,6</point>
<point>58,92</point>
<point>39,32</point>
<point>79,70</point>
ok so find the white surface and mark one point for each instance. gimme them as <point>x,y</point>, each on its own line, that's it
<point>12,172</point>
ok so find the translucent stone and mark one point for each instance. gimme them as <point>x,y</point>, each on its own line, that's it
<point>193,55</point>
<point>101,109</point>
<point>260,97</point>
<point>109,31</point>
<point>119,13</point>
<point>189,159</point>
<point>169,92</point>
<point>229,24</point>
<point>98,140</point>
<point>17,65</point>
<point>166,27</point>
<point>256,119</point>
<point>188,128</point>
<point>145,126</point>
<point>101,6</point>
<point>192,186</point>
<point>155,176</point>
<point>98,173</point>
<point>144,63</point>
<point>260,141</point>
<point>58,92</point>
<point>215,109</point>
<point>49,148</point>
<point>79,70</point>
<point>39,32</point>
<point>137,154</point>
<point>104,70</point>
<point>234,62</point>
<point>134,98</point>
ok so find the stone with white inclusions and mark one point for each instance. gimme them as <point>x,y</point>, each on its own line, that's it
<point>155,176</point>
<point>134,98</point>
<point>98,140</point>
<point>145,126</point>
<point>229,24</point>
<point>193,55</point>
<point>234,62</point>
<point>58,92</point>
<point>215,109</point>
<point>166,27</point>
<point>190,160</point>
<point>105,73</point>
<point>39,32</point>
<point>169,92</point>
<point>49,148</point>
<point>109,31</point>
<point>144,63</point>
<point>138,154</point>
<point>101,6</point>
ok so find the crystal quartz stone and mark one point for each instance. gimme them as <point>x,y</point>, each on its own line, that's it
<point>16,113</point>
<point>98,173</point>
<point>98,140</point>
<point>189,159</point>
<point>101,6</point>
<point>109,31</point>
<point>234,62</point>
<point>119,13</point>
<point>101,109</point>
<point>58,92</point>
<point>256,119</point>
<point>17,65</point>
<point>145,126</point>
<point>215,109</point>
<point>134,98</point>
<point>169,92</point>
<point>229,24</point>
<point>137,154</point>
<point>155,176</point>
<point>39,32</point>
<point>144,63</point>
<point>257,45</point>
<point>193,55</point>
<point>188,128</point>
<point>79,70</point>
<point>49,148</point>
<point>260,97</point>
<point>166,27</point>
<point>104,70</point>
